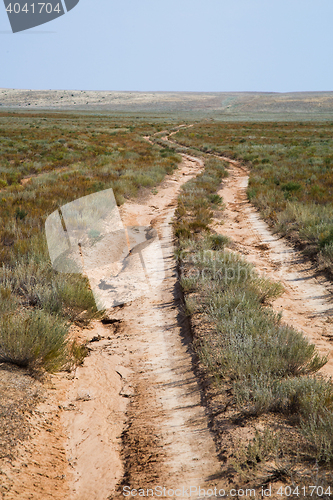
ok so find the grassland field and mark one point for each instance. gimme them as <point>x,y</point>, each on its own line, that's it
<point>257,365</point>
<point>261,371</point>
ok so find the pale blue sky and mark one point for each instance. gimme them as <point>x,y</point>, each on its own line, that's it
<point>179,45</point>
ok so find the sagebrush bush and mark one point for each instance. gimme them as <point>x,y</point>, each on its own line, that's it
<point>36,284</point>
<point>34,340</point>
<point>319,431</point>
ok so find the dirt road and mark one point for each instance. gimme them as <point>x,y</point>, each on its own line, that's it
<point>132,415</point>
<point>133,410</point>
<point>166,440</point>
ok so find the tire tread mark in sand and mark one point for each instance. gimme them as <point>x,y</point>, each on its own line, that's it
<point>142,452</point>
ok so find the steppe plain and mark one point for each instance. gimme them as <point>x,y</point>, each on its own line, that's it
<point>148,404</point>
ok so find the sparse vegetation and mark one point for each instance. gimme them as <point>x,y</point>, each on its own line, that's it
<point>261,369</point>
<point>195,208</point>
<point>46,161</point>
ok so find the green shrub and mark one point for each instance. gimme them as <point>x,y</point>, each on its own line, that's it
<point>327,240</point>
<point>290,187</point>
<point>266,289</point>
<point>35,339</point>
<point>218,241</point>
<point>311,398</point>
<point>215,199</point>
<point>319,431</point>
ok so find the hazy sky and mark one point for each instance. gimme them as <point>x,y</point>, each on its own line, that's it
<point>184,45</point>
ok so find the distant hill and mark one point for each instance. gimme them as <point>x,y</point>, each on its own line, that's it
<point>218,105</point>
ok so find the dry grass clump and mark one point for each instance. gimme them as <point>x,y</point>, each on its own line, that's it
<point>198,200</point>
<point>33,340</point>
<point>36,284</point>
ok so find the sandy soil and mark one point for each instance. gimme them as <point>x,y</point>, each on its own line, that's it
<point>133,410</point>
<point>40,469</point>
<point>167,395</point>
<point>166,440</point>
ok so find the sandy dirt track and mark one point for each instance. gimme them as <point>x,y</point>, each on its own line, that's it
<point>166,438</point>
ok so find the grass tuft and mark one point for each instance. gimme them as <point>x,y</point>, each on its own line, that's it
<point>34,340</point>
